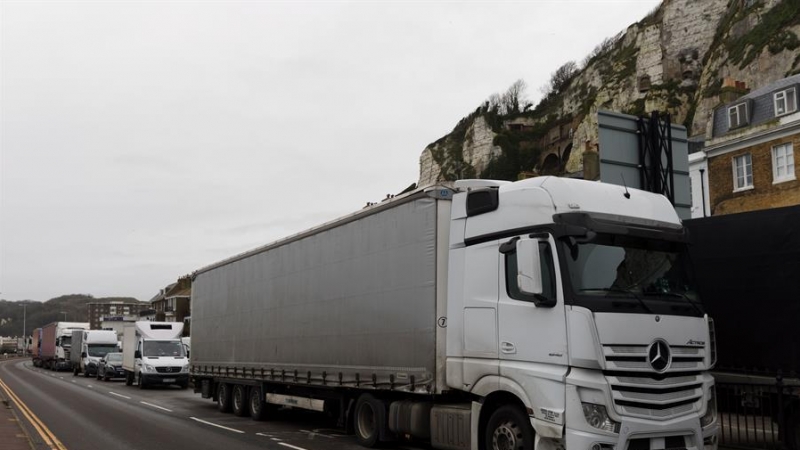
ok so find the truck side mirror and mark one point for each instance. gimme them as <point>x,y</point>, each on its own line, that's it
<point>83,354</point>
<point>137,354</point>
<point>529,276</point>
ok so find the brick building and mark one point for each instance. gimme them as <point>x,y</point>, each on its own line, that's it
<point>114,311</point>
<point>752,145</point>
<point>173,303</point>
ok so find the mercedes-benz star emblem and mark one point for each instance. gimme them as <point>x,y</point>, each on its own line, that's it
<point>659,356</point>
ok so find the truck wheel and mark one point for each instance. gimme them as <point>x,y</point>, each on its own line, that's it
<point>370,420</point>
<point>86,373</point>
<point>239,400</point>
<point>256,404</point>
<point>141,383</point>
<point>128,378</point>
<point>97,375</point>
<point>509,429</point>
<point>224,397</point>
<point>75,372</point>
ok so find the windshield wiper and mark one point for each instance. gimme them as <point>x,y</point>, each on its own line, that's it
<point>679,295</point>
<point>623,291</point>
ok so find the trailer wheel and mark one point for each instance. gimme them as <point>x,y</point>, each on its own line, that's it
<point>128,378</point>
<point>509,429</point>
<point>239,400</point>
<point>257,405</point>
<point>369,421</point>
<point>224,397</point>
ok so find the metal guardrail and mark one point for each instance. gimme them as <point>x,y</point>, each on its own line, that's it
<point>757,416</point>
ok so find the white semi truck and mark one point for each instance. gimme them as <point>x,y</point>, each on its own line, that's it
<point>153,354</point>
<point>88,347</point>
<point>56,344</point>
<point>547,313</point>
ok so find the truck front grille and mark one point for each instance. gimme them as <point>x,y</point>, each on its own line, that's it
<point>661,398</point>
<point>634,358</point>
<point>172,369</point>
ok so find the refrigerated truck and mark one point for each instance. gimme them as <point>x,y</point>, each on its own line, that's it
<point>57,344</point>
<point>88,347</point>
<point>153,353</point>
<point>547,313</point>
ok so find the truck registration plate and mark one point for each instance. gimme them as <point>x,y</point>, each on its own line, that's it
<point>169,380</point>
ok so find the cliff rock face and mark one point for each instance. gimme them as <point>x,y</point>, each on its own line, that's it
<point>684,58</point>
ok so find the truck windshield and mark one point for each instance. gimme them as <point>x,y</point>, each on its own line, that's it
<point>66,341</point>
<point>114,357</point>
<point>643,275</point>
<point>163,348</point>
<point>100,350</point>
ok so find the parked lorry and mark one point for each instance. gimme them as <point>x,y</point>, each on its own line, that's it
<point>88,347</point>
<point>153,353</point>
<point>57,344</point>
<point>547,313</point>
<point>36,347</point>
<point>748,266</point>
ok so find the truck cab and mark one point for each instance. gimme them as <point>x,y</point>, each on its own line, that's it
<point>153,354</point>
<point>575,301</point>
<point>89,347</point>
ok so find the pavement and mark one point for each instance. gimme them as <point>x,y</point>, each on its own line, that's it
<point>13,434</point>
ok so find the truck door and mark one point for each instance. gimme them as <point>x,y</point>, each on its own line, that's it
<point>532,329</point>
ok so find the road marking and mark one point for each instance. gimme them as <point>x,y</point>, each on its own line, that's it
<point>218,426</point>
<point>61,377</point>
<point>275,439</point>
<point>47,436</point>
<point>290,446</point>
<point>74,381</point>
<point>262,434</point>
<point>89,386</point>
<point>156,406</point>
<point>313,434</point>
<point>119,395</point>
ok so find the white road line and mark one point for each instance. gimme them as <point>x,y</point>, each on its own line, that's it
<point>119,395</point>
<point>313,434</point>
<point>262,434</point>
<point>89,386</point>
<point>74,381</point>
<point>218,426</point>
<point>290,446</point>
<point>275,439</point>
<point>156,406</point>
<point>61,377</point>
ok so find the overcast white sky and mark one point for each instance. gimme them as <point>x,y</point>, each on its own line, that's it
<point>141,141</point>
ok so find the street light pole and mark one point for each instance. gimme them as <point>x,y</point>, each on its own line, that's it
<point>65,315</point>
<point>24,329</point>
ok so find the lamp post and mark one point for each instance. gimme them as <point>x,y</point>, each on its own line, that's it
<point>65,315</point>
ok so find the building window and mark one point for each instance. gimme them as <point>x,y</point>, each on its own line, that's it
<point>742,172</point>
<point>785,102</point>
<point>737,115</point>
<point>782,163</point>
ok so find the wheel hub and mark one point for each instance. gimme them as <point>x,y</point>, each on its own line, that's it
<point>507,436</point>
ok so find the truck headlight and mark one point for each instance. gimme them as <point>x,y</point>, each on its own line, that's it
<point>711,410</point>
<point>148,368</point>
<point>185,369</point>
<point>597,417</point>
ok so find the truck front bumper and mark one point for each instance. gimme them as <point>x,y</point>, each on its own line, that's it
<point>166,379</point>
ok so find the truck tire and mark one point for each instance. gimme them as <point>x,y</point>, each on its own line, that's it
<point>142,384</point>
<point>75,372</point>
<point>224,397</point>
<point>97,375</point>
<point>257,406</point>
<point>239,400</point>
<point>509,429</point>
<point>369,420</point>
<point>128,378</point>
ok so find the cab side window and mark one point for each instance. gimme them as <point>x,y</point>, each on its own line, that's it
<point>548,274</point>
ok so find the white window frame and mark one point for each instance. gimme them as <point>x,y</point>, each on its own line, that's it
<point>744,186</point>
<point>784,96</point>
<point>741,107</point>
<point>788,163</point>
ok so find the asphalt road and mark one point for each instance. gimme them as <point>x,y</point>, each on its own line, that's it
<point>87,414</point>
